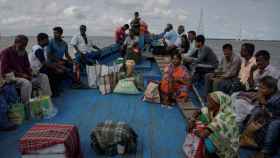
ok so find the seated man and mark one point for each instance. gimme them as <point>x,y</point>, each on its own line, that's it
<point>239,83</point>
<point>227,70</point>
<point>267,115</point>
<point>14,59</point>
<point>86,51</point>
<point>39,64</point>
<point>203,59</point>
<point>243,102</point>
<point>182,42</point>
<point>131,47</point>
<point>8,96</point>
<point>191,38</point>
<point>170,38</point>
<point>120,34</point>
<point>56,51</point>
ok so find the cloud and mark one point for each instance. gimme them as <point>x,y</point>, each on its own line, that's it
<point>74,12</point>
<point>222,19</point>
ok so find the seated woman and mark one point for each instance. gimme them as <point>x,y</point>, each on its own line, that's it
<point>127,71</point>
<point>175,82</point>
<point>221,134</point>
<point>267,118</point>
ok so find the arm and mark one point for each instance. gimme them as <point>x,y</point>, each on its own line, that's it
<point>251,77</point>
<point>67,55</point>
<point>203,54</point>
<point>40,55</point>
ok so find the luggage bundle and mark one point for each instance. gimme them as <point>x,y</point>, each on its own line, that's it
<point>113,138</point>
<point>51,141</point>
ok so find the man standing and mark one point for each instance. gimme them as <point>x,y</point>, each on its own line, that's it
<point>14,60</point>
<point>135,24</point>
<point>227,70</point>
<point>120,34</point>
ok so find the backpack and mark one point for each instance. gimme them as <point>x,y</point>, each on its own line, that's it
<point>113,138</point>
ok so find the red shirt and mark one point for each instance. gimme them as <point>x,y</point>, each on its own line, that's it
<point>10,61</point>
<point>119,35</point>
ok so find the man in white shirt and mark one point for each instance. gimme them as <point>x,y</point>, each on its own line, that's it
<point>170,36</point>
<point>86,52</point>
<point>84,46</point>
<point>182,42</point>
<point>262,69</point>
<point>39,64</point>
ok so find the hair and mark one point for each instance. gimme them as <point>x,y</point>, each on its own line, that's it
<point>136,13</point>
<point>192,32</point>
<point>176,53</point>
<point>227,46</point>
<point>126,26</point>
<point>84,26</point>
<point>181,26</point>
<point>250,48</point>
<point>42,36</point>
<point>58,29</point>
<point>21,39</point>
<point>264,53</point>
<point>170,26</point>
<point>200,38</point>
<point>270,83</point>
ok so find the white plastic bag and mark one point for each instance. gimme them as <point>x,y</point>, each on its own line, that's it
<point>93,74</point>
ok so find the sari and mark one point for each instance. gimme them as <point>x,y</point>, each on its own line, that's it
<point>180,90</point>
<point>225,131</point>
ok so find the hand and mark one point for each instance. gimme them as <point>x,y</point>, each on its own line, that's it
<point>254,68</point>
<point>188,60</point>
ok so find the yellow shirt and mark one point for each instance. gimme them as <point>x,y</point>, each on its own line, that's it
<point>245,69</point>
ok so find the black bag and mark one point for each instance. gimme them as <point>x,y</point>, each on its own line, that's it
<point>112,139</point>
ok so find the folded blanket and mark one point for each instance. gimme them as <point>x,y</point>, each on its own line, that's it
<point>42,136</point>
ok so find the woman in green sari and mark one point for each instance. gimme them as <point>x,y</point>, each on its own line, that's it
<point>221,135</point>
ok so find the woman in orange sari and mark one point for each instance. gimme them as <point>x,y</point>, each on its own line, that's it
<point>175,83</point>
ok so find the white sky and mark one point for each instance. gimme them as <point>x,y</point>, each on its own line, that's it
<point>258,19</point>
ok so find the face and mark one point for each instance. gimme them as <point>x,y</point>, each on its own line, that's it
<point>243,52</point>
<point>180,30</point>
<point>20,46</point>
<point>176,61</point>
<point>44,42</point>
<point>191,36</point>
<point>213,106</point>
<point>264,90</point>
<point>57,35</point>
<point>261,63</point>
<point>227,53</point>
<point>198,44</point>
<point>83,30</point>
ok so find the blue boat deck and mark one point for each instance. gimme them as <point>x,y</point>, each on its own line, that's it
<point>161,131</point>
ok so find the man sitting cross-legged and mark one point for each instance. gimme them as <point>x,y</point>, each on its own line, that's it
<point>227,70</point>
<point>14,60</point>
<point>39,64</point>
